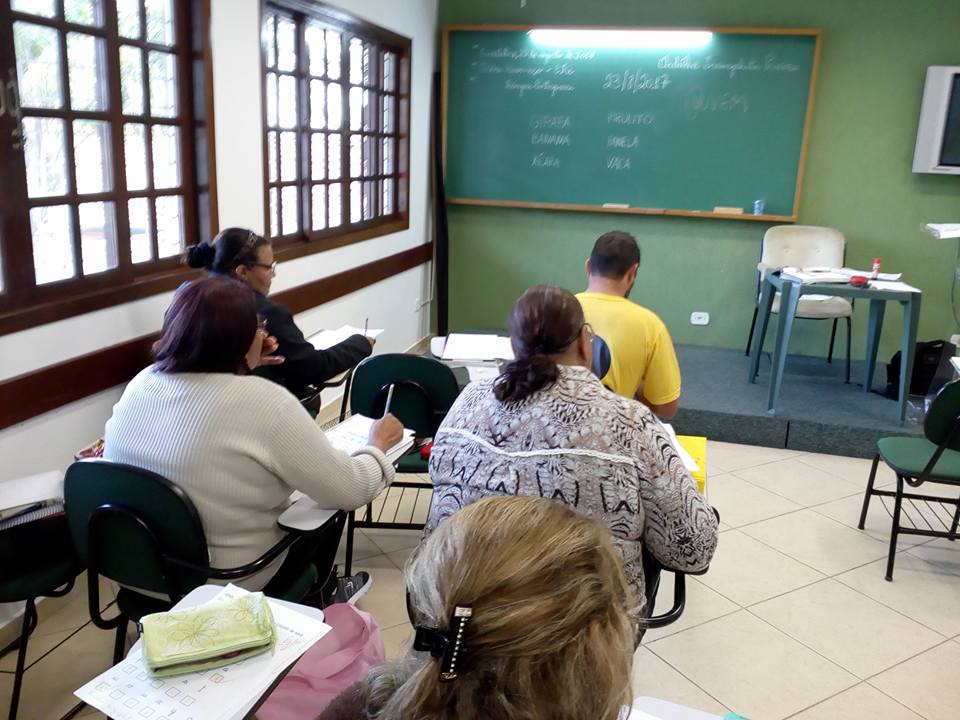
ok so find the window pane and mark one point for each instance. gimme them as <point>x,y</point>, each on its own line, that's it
<point>333,55</point>
<point>359,62</point>
<point>319,207</point>
<point>356,108</point>
<point>290,197</point>
<point>267,42</point>
<point>163,84</point>
<point>272,156</point>
<point>388,110</point>
<point>45,156</point>
<point>286,44</point>
<point>388,197</point>
<point>200,154</point>
<point>131,80</point>
<point>52,234</point>
<point>318,104</point>
<point>38,65</point>
<point>128,18</point>
<point>139,212</point>
<point>334,204</point>
<point>318,157</point>
<point>333,156</point>
<point>166,157</point>
<point>135,155</point>
<point>271,99</point>
<point>389,71</point>
<point>288,101</point>
<point>334,106</point>
<point>355,157</point>
<point>46,8</point>
<point>368,168</point>
<point>316,49</point>
<point>274,213</point>
<point>369,199</point>
<point>91,152</point>
<point>159,21</point>
<point>288,156</point>
<point>83,12</point>
<point>98,237</point>
<point>386,156</point>
<point>87,79</point>
<point>169,226</point>
<point>355,193</point>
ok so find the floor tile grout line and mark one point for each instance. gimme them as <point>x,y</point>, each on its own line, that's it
<point>906,660</point>
<point>898,702</point>
<point>699,624</point>
<point>785,497</point>
<point>684,676</point>
<point>862,682</point>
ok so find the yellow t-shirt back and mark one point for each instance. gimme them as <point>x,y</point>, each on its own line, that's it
<point>641,350</point>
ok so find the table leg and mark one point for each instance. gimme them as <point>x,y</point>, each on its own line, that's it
<point>789,295</point>
<point>760,328</point>
<point>908,345</point>
<point>874,327</point>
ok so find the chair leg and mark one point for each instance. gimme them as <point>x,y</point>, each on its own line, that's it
<point>895,528</point>
<point>120,641</point>
<point>956,520</point>
<point>29,623</point>
<point>833,336</point>
<point>869,492</point>
<point>348,560</point>
<point>753,324</point>
<point>848,350</point>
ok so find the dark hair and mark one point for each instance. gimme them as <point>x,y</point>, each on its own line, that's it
<point>614,253</point>
<point>208,328</point>
<point>544,321</point>
<point>229,250</point>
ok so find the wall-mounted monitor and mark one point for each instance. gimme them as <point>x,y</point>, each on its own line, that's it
<point>938,136</point>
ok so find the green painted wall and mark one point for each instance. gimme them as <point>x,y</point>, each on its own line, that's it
<point>858,177</point>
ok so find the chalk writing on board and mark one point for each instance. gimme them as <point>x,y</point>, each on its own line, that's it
<point>544,160</point>
<point>626,142</point>
<point>635,81</point>
<point>549,139</point>
<point>629,118</point>
<point>701,102</point>
<point>507,53</point>
<point>540,86</point>
<point>552,122</point>
<point>618,162</point>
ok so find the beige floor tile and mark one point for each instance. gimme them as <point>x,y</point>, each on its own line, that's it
<point>386,598</point>
<point>399,557</point>
<point>392,540</point>
<point>941,552</point>
<point>877,525</point>
<point>751,667</point>
<point>723,527</point>
<point>363,548</point>
<point>817,541</point>
<point>859,702</point>
<point>854,470</point>
<point>36,647</point>
<point>702,604</point>
<point>654,678</point>
<point>794,480</point>
<point>747,571</point>
<point>927,684</point>
<point>725,457</point>
<point>396,640</point>
<point>923,591</point>
<point>740,503</point>
<point>857,633</point>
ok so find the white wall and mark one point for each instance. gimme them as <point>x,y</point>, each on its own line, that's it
<point>398,303</point>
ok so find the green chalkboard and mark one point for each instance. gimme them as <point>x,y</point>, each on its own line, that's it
<point>674,131</point>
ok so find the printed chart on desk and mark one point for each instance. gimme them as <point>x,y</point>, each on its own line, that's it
<point>127,692</point>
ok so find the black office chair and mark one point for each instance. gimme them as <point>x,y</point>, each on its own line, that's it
<point>143,531</point>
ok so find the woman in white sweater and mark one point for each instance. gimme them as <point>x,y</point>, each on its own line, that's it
<point>238,444</point>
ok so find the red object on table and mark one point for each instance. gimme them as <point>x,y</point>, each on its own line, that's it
<point>859,281</point>
<point>425,451</point>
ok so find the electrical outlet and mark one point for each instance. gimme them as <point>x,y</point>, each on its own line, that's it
<point>699,318</point>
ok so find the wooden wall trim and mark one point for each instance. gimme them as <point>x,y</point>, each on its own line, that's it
<point>34,393</point>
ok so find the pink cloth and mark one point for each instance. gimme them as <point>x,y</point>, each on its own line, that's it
<point>340,658</point>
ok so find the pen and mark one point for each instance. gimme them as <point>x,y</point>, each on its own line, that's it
<point>366,323</point>
<point>386,408</point>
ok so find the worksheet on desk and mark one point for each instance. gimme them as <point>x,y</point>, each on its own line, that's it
<point>127,692</point>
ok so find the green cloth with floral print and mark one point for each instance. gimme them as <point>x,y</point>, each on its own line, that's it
<point>208,636</point>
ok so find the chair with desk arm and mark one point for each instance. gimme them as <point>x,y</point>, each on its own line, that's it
<point>143,531</point>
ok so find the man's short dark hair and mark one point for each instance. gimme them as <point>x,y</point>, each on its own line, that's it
<point>614,254</point>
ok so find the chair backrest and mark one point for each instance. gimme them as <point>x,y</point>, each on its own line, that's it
<point>424,390</point>
<point>802,246</point>
<point>123,520</point>
<point>943,416</point>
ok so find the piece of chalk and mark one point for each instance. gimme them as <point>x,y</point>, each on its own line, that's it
<point>616,205</point>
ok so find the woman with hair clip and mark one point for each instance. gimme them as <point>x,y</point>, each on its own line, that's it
<point>548,428</point>
<point>520,613</point>
<point>248,257</point>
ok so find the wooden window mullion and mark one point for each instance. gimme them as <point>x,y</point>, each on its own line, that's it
<point>118,152</point>
<point>344,129</point>
<point>70,153</point>
<point>189,215</point>
<point>302,87</point>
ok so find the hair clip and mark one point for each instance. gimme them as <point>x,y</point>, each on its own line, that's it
<point>445,646</point>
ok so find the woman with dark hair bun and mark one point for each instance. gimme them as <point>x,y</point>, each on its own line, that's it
<point>547,427</point>
<point>243,254</point>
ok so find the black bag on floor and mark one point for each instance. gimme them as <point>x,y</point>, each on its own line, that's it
<point>931,368</point>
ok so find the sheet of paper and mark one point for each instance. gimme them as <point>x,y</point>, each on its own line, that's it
<point>850,272</point>
<point>688,462</point>
<point>127,692</point>
<point>328,338</point>
<point>896,286</point>
<point>482,372</point>
<point>943,231</point>
<point>354,433</point>
<point>466,346</point>
<point>955,361</point>
<point>32,489</point>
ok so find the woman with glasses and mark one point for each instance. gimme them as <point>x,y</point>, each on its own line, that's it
<point>547,427</point>
<point>247,256</point>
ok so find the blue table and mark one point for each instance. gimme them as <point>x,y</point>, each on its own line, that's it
<point>790,293</point>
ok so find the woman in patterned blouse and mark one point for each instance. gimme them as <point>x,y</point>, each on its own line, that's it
<point>547,427</point>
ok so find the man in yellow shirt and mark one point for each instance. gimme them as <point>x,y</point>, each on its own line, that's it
<point>643,363</point>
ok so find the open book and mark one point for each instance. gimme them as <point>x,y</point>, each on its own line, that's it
<point>354,433</point>
<point>328,338</point>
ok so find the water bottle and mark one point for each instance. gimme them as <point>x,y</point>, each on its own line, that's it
<point>758,206</point>
<point>875,273</point>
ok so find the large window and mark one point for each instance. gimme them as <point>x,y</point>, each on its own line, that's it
<point>104,145</point>
<point>337,111</point>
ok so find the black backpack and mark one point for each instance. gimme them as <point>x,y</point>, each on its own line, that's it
<point>931,368</point>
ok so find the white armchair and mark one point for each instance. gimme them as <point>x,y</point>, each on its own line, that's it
<point>805,246</point>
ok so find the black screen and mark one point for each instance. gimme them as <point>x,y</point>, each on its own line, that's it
<point>950,150</point>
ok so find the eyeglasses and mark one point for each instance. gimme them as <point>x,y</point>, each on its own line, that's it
<point>272,267</point>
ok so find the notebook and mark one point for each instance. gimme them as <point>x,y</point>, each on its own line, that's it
<point>354,433</point>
